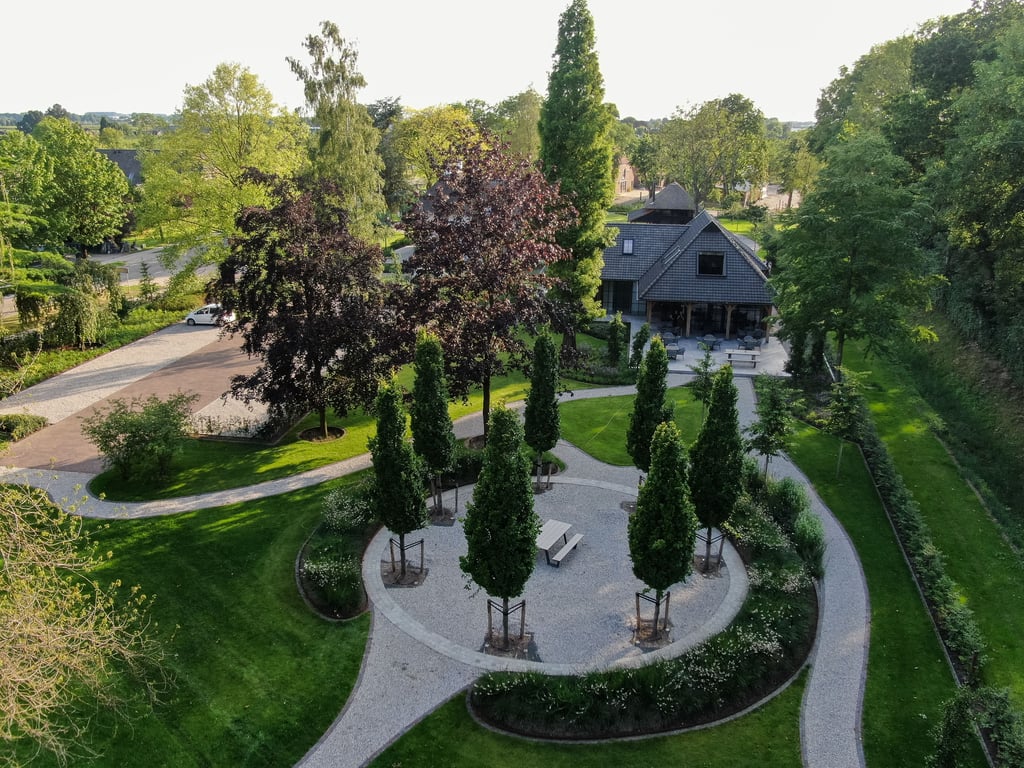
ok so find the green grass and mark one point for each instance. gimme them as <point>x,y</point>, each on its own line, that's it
<point>215,465</point>
<point>770,736</point>
<point>902,699</point>
<point>739,226</point>
<point>977,557</point>
<point>908,678</point>
<point>598,425</point>
<point>258,677</point>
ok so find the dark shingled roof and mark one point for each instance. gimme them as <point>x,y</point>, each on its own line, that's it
<point>673,198</point>
<point>664,263</point>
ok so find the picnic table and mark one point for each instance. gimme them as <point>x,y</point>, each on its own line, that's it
<point>712,342</point>
<point>748,355</point>
<point>550,532</point>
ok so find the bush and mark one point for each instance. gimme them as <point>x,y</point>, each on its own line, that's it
<point>14,426</point>
<point>337,577</point>
<point>785,500</point>
<point>344,513</point>
<point>809,542</point>
<point>178,302</point>
<point>141,437</point>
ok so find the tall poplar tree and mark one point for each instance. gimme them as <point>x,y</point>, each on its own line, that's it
<point>399,488</point>
<point>717,458</point>
<point>663,529</point>
<point>501,525</point>
<point>649,408</point>
<point>576,150</point>
<point>542,425</point>
<point>432,435</point>
<point>344,147</point>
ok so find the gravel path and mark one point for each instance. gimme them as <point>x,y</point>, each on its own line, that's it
<point>413,662</point>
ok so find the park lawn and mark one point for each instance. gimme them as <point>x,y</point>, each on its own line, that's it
<point>902,699</point>
<point>208,465</point>
<point>258,678</point>
<point>768,737</point>
<point>908,678</point>
<point>977,557</point>
<point>599,425</point>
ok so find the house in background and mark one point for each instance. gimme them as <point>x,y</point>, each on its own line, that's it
<point>680,267</point>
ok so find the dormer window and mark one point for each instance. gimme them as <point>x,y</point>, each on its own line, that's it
<point>711,264</point>
<point>627,247</point>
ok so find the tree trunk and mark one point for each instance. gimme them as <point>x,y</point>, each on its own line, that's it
<point>540,464</point>
<point>707,552</point>
<point>657,612</point>
<point>401,555</point>
<point>487,402</point>
<point>789,200</point>
<point>323,421</point>
<point>504,619</point>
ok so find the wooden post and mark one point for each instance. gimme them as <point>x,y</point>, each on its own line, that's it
<point>728,318</point>
<point>689,316</point>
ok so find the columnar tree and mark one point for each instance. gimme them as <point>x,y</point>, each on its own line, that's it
<point>703,379</point>
<point>310,302</point>
<point>485,239</point>
<point>542,426</point>
<point>663,529</point>
<point>617,338</point>
<point>501,525</point>
<point>649,408</point>
<point>577,151</point>
<point>844,409</point>
<point>717,459</point>
<point>640,339</point>
<point>769,434</point>
<point>346,142</point>
<point>432,434</point>
<point>398,491</point>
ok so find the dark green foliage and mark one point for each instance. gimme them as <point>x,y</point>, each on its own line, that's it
<point>663,528</point>
<point>14,426</point>
<point>617,339</point>
<point>785,499</point>
<point>649,409</point>
<point>764,646</point>
<point>148,288</point>
<point>140,438</point>
<point>77,321</point>
<point>541,427</point>
<point>31,306</point>
<point>769,434</point>
<point>809,542</point>
<point>640,340</point>
<point>577,151</point>
<point>399,498</point>
<point>432,434</point>
<point>988,709</point>
<point>501,525</point>
<point>843,407</point>
<point>703,378</point>
<point>717,457</point>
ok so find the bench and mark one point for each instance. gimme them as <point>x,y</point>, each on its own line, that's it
<point>570,545</point>
<point>747,355</point>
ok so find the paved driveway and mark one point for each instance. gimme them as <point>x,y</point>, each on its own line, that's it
<point>178,358</point>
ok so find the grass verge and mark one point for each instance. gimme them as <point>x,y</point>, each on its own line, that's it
<point>769,736</point>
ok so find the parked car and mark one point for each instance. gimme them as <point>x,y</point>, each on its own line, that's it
<point>211,314</point>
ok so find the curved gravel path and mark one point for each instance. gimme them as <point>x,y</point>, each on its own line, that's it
<point>428,672</point>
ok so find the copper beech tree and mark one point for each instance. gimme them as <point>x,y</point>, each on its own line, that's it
<point>485,237</point>
<point>310,302</point>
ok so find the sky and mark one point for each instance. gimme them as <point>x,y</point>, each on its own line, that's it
<point>655,57</point>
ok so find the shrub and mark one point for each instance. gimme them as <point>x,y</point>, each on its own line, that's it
<point>336,577</point>
<point>14,426</point>
<point>31,306</point>
<point>809,541</point>
<point>754,532</point>
<point>344,513</point>
<point>785,500</point>
<point>141,437</point>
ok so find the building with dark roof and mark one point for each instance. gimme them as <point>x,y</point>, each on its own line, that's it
<point>678,266</point>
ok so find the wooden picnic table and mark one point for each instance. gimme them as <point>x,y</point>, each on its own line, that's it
<point>549,534</point>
